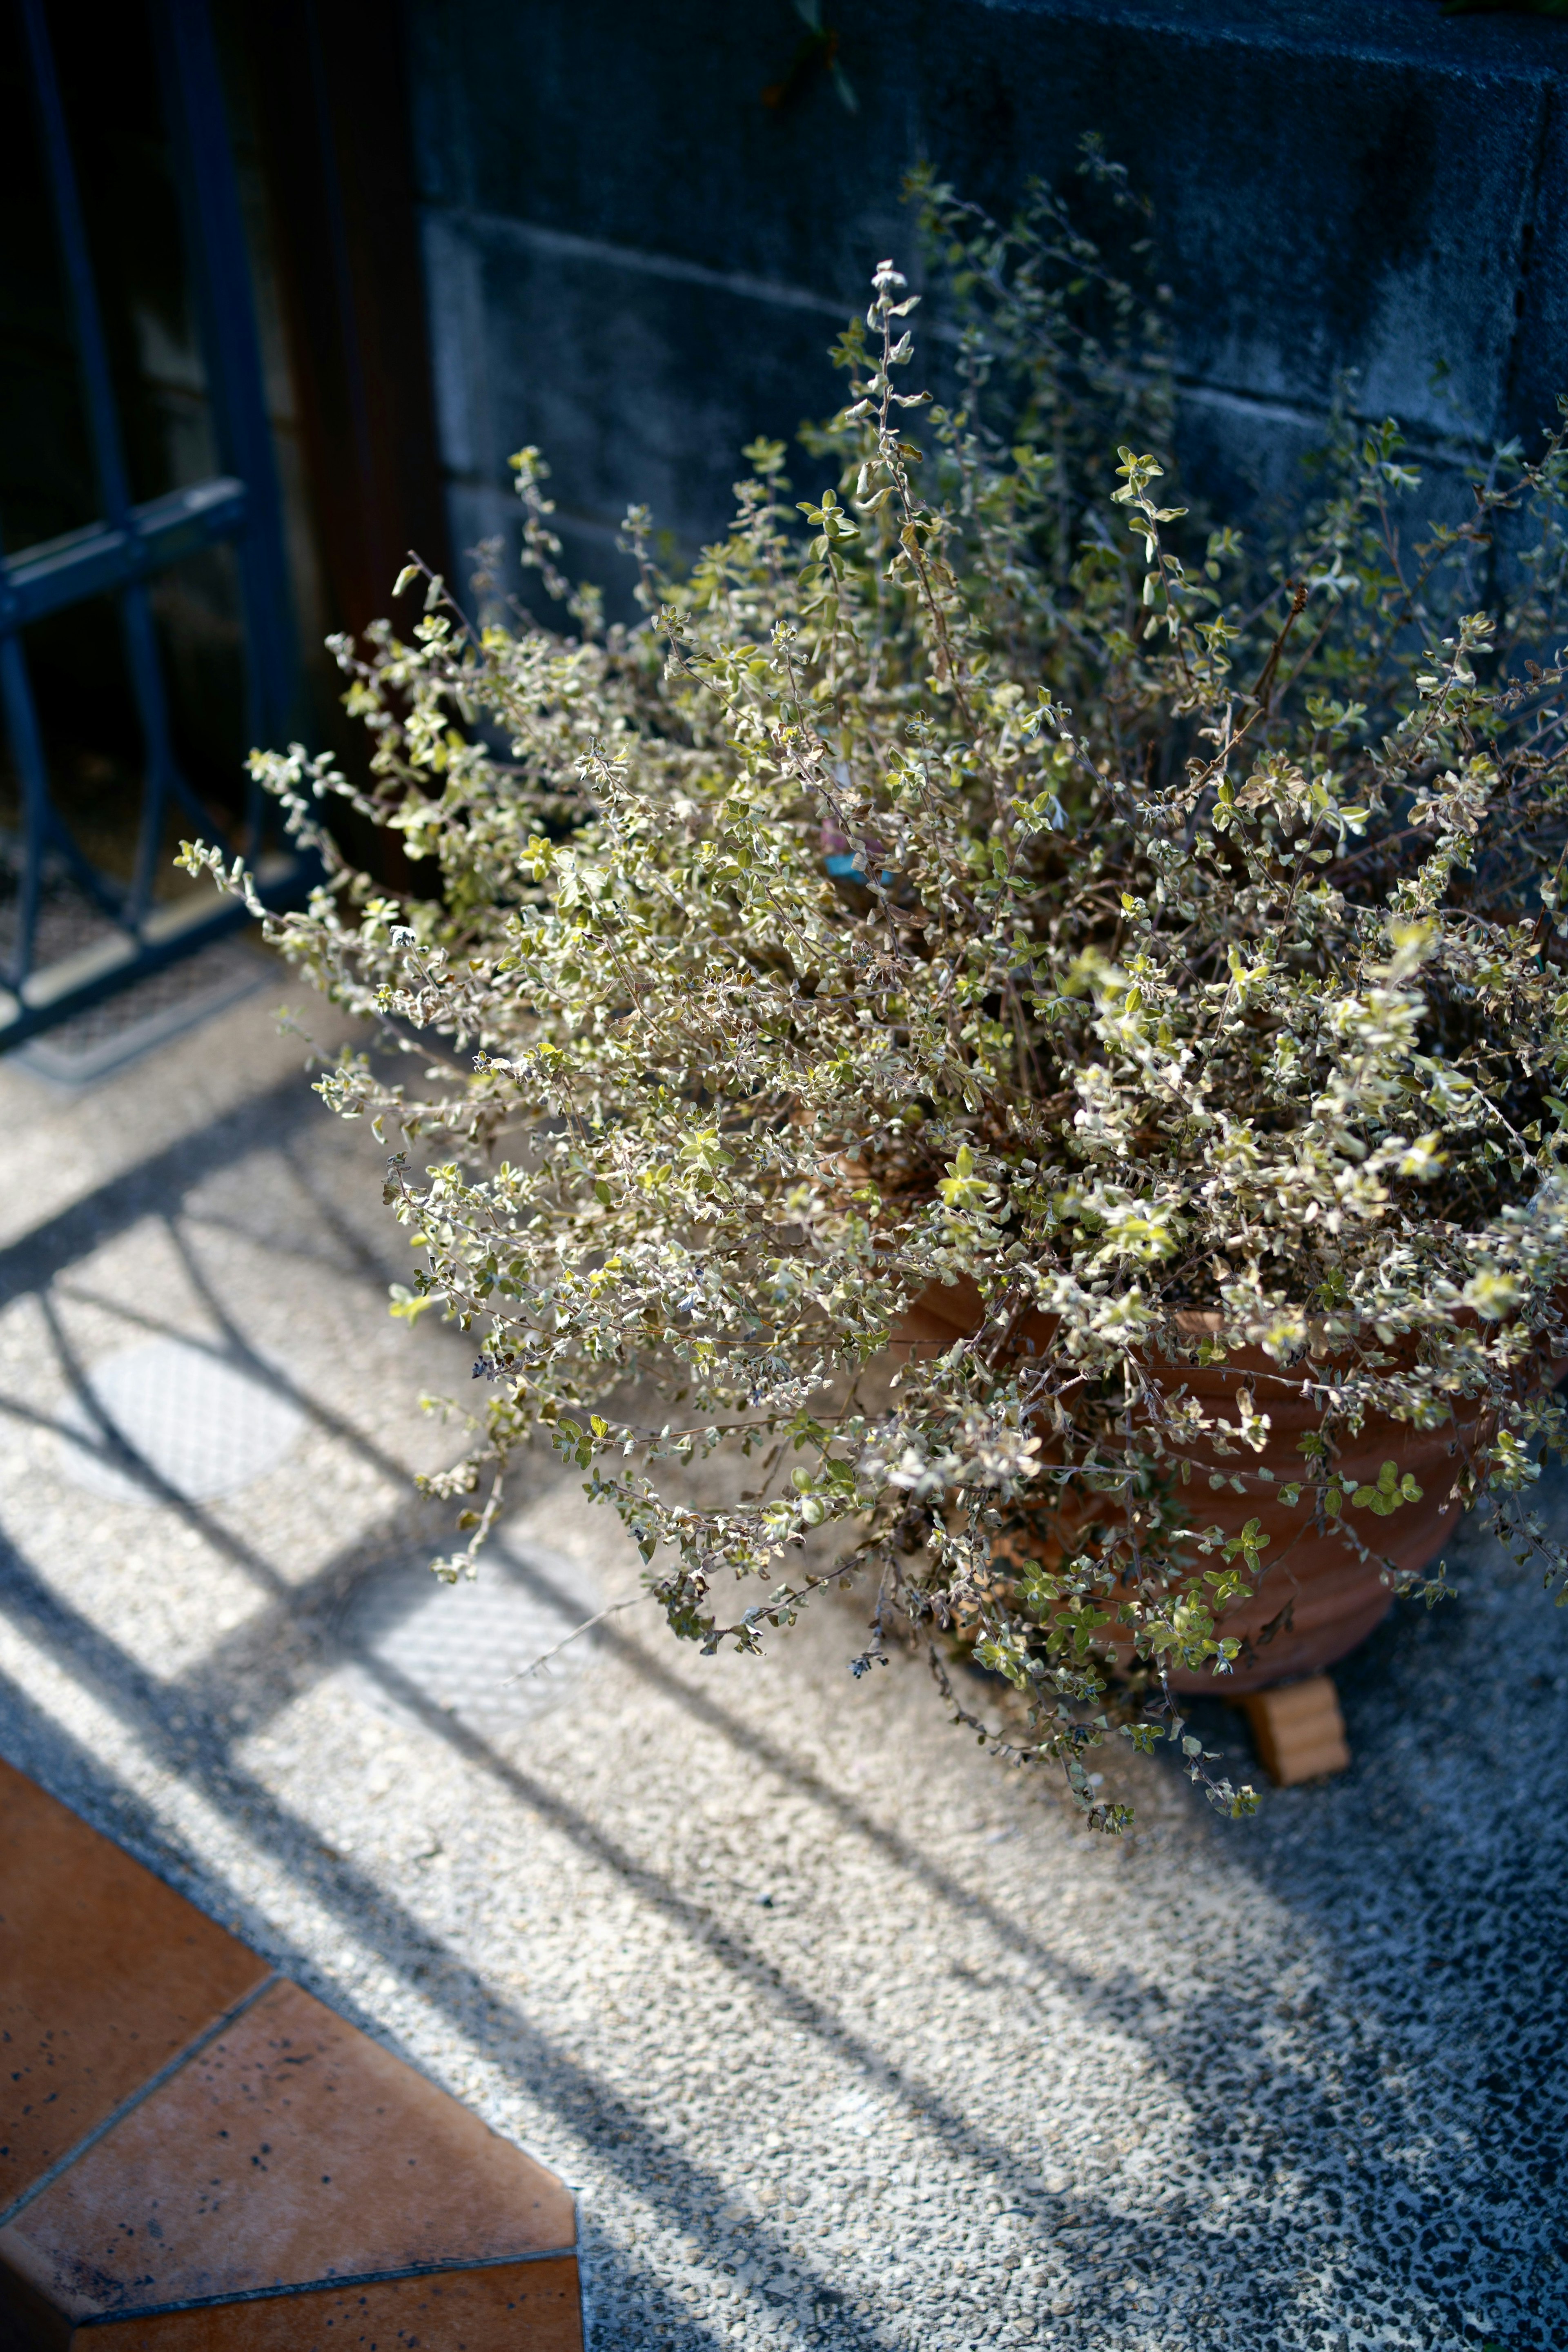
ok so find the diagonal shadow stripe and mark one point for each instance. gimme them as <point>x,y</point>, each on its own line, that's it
<point>284,1830</point>
<point>245,1664</point>
<point>34,1260</point>
<point>587,2098</point>
<point>357,1247</point>
<point>660,2171</point>
<point>118,1449</point>
<point>127,1685</point>
<point>234,1348</point>
<point>403,1941</point>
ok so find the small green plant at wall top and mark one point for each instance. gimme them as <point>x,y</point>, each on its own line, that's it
<point>975,878</point>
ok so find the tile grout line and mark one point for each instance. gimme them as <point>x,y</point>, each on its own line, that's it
<point>453,2270</point>
<point>129,2104</point>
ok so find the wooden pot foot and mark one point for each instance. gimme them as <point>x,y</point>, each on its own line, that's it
<point>1298,1730</point>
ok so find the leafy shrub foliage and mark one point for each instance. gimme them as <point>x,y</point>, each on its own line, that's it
<point>976,871</point>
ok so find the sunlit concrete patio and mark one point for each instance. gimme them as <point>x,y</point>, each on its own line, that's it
<point>842,2035</point>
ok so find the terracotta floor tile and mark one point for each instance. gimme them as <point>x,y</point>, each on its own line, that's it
<point>515,2307</point>
<point>105,1975</point>
<point>291,2149</point>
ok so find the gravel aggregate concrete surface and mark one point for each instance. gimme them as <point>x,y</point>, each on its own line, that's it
<point>844,2035</point>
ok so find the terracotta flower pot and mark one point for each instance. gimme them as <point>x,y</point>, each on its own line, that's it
<point>1317,1598</point>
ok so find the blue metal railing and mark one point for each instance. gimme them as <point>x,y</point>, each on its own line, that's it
<point>119,554</point>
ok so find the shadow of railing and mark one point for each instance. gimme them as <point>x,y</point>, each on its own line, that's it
<point>1257,2093</point>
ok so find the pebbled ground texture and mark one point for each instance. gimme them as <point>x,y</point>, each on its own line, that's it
<point>846,2036</point>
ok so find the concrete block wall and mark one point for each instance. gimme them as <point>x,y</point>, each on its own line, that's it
<point>633,262</point>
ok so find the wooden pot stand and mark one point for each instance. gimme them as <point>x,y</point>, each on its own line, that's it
<point>1298,1730</point>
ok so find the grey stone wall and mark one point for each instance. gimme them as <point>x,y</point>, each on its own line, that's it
<point>635,263</point>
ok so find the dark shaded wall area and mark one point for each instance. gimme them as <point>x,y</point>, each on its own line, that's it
<point>634,262</point>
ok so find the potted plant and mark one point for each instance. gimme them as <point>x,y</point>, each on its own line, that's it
<point>1043,1034</point>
